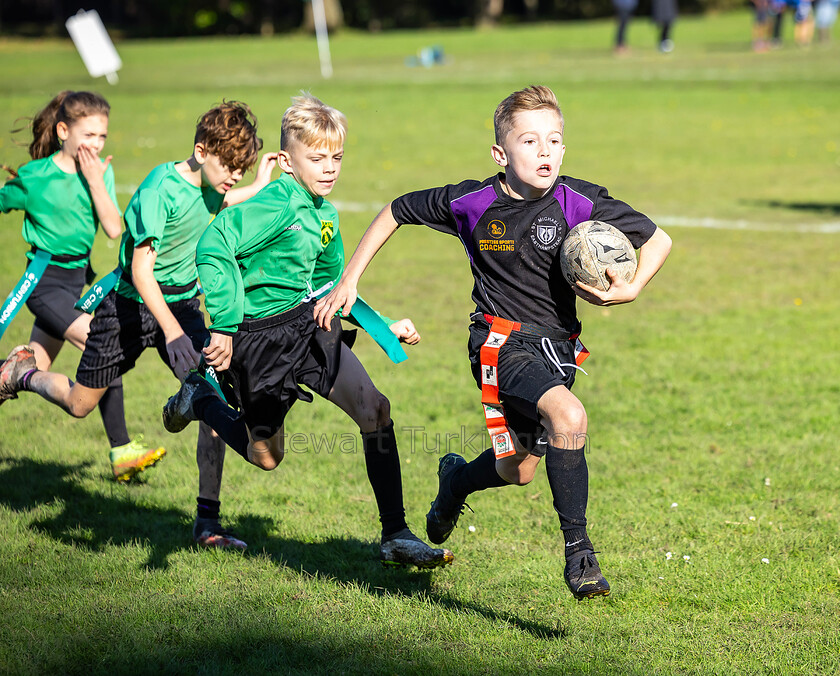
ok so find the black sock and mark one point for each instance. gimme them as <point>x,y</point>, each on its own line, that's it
<point>476,475</point>
<point>568,477</point>
<point>208,509</point>
<point>112,410</point>
<point>382,462</point>
<point>224,421</point>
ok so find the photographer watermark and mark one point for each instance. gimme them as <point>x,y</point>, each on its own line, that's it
<point>466,441</point>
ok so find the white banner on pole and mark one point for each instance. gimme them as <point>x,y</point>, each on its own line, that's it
<point>94,45</point>
<point>319,16</point>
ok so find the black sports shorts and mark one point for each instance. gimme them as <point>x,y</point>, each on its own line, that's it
<point>53,298</point>
<point>122,328</point>
<point>273,356</point>
<point>525,374</point>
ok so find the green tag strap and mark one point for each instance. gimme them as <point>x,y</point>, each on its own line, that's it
<point>15,300</point>
<point>377,329</point>
<point>98,290</point>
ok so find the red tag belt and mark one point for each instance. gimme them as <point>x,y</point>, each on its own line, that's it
<point>494,413</point>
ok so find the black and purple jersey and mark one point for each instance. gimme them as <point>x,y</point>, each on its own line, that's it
<point>513,244</point>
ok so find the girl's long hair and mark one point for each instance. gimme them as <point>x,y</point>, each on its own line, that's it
<point>68,107</point>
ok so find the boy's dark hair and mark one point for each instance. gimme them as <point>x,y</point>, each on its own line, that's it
<point>536,97</point>
<point>229,131</point>
<point>68,107</point>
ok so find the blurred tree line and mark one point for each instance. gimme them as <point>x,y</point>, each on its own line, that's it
<point>142,18</point>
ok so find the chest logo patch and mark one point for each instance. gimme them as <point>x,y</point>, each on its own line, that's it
<point>545,233</point>
<point>496,229</point>
<point>326,232</point>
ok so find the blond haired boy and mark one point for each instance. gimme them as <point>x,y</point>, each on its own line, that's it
<point>259,264</point>
<point>522,339</point>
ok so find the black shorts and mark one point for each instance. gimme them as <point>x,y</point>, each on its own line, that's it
<point>525,373</point>
<point>273,356</point>
<point>122,328</point>
<point>53,298</point>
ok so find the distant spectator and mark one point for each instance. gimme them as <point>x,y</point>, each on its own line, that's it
<point>803,18</point>
<point>761,26</point>
<point>624,12</point>
<point>664,15</point>
<point>826,15</point>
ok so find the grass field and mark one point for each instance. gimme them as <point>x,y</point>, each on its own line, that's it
<point>713,399</point>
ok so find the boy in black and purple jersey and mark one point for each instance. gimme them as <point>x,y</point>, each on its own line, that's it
<point>523,337</point>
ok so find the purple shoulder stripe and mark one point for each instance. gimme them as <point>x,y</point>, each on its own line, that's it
<point>576,208</point>
<point>467,209</point>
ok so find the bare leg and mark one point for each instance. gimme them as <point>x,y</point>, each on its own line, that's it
<point>75,399</point>
<point>518,469</point>
<point>267,453</point>
<point>46,348</point>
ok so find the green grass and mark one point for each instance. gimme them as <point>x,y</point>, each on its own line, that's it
<point>712,399</point>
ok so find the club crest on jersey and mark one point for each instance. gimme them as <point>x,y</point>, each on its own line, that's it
<point>545,233</point>
<point>326,232</point>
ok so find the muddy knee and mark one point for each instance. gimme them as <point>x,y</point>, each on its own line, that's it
<point>567,427</point>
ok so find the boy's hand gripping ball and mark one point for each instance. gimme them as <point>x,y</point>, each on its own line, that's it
<point>590,248</point>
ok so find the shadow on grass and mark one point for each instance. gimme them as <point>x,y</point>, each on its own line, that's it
<point>353,561</point>
<point>89,520</point>
<point>831,209</point>
<point>95,522</point>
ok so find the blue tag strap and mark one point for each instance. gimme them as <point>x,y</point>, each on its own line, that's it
<point>15,300</point>
<point>98,290</point>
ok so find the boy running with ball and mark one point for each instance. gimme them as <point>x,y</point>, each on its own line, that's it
<point>155,302</point>
<point>260,264</point>
<point>523,333</point>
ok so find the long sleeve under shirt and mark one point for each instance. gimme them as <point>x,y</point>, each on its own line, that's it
<point>514,245</point>
<point>59,217</point>
<point>263,256</point>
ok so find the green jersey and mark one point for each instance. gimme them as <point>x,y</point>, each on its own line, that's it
<point>59,216</point>
<point>170,213</point>
<point>264,256</point>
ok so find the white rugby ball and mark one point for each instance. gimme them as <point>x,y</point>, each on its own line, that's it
<point>590,248</point>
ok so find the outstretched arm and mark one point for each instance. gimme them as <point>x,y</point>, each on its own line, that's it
<point>343,296</point>
<point>652,255</point>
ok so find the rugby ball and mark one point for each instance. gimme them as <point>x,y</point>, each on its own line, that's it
<point>590,248</point>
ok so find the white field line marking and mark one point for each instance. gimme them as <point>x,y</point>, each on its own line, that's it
<point>720,224</point>
<point>664,221</point>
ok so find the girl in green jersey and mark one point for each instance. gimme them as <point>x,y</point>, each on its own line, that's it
<point>66,192</point>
